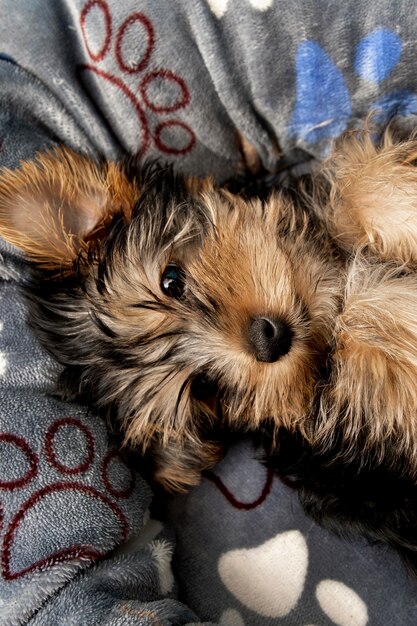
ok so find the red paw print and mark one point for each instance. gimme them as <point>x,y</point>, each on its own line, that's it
<point>70,505</point>
<point>129,48</point>
<point>244,489</point>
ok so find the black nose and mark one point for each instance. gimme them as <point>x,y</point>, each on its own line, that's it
<point>270,338</point>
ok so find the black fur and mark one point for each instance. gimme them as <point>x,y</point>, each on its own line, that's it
<point>74,325</point>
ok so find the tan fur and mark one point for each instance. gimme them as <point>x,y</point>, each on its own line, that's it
<point>53,205</point>
<point>354,308</point>
<point>242,260</point>
<point>370,207</point>
<point>373,196</point>
<point>372,392</point>
<point>251,161</point>
<point>261,273</point>
<point>178,472</point>
<point>246,270</point>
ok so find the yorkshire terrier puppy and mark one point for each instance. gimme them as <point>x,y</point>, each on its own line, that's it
<point>173,306</point>
<point>358,471</point>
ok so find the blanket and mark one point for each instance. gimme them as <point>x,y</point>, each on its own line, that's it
<point>182,82</point>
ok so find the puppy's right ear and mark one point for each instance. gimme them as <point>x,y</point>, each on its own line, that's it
<point>53,207</point>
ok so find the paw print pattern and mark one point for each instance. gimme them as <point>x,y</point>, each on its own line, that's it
<point>18,462</point>
<point>153,94</point>
<point>284,557</point>
<point>250,574</point>
<point>244,504</point>
<point>323,106</point>
<point>69,501</point>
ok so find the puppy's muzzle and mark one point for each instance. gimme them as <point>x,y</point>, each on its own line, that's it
<point>270,338</point>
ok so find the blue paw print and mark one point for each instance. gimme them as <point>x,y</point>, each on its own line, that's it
<point>323,103</point>
<point>377,54</point>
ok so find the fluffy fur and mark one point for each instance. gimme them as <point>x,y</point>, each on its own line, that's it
<point>176,308</point>
<point>167,367</point>
<point>370,208</point>
<point>360,472</point>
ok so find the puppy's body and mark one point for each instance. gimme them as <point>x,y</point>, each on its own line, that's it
<point>370,208</point>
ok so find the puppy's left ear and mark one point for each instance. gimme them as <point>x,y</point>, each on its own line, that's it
<point>372,198</point>
<point>54,206</point>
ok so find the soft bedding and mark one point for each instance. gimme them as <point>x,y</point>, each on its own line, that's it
<point>181,82</point>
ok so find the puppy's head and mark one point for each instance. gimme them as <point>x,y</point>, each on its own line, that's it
<point>169,302</point>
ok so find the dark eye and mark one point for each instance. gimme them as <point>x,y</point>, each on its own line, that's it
<point>173,281</point>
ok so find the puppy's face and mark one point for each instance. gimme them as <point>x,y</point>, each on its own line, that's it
<point>170,302</point>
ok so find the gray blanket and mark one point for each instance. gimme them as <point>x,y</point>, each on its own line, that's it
<point>178,81</point>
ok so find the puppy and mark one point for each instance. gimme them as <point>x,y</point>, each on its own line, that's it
<point>172,306</point>
<point>175,307</point>
<point>359,469</point>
